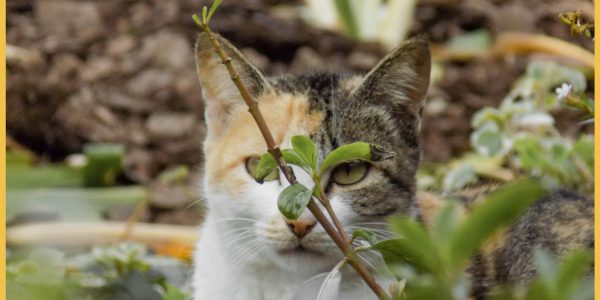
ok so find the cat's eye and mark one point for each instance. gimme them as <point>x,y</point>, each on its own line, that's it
<point>350,173</point>
<point>252,164</point>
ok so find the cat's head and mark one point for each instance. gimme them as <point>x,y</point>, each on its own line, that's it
<point>383,107</point>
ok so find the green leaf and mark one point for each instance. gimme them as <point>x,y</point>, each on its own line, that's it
<point>173,175</point>
<point>204,14</point>
<point>530,152</point>
<point>547,267</point>
<point>104,163</point>
<point>266,166</point>
<point>584,149</point>
<point>173,293</point>
<point>459,177</point>
<point>499,209</point>
<point>293,200</point>
<point>415,247</point>
<point>445,223</point>
<point>346,15</point>
<point>487,114</point>
<point>488,140</point>
<point>41,176</point>
<point>571,272</point>
<point>348,152</point>
<point>71,204</point>
<point>306,149</point>
<point>197,19</point>
<point>19,157</point>
<point>212,9</point>
<point>472,42</point>
<point>291,157</point>
<point>402,252</point>
<point>366,235</point>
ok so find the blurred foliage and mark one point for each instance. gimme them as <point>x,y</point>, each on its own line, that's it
<point>431,262</point>
<point>103,163</point>
<point>387,22</point>
<point>577,24</point>
<point>470,43</point>
<point>59,189</point>
<point>519,138</point>
<point>121,271</point>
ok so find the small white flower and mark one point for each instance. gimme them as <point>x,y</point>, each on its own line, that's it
<point>563,91</point>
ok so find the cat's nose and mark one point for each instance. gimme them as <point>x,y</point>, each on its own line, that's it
<point>301,227</point>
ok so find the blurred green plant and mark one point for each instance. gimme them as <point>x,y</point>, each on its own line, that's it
<point>557,280</point>
<point>387,22</point>
<point>576,23</point>
<point>58,188</point>
<point>434,261</point>
<point>519,138</point>
<point>121,271</point>
<point>103,163</point>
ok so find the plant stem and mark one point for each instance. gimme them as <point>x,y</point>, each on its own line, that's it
<point>334,218</point>
<point>273,148</point>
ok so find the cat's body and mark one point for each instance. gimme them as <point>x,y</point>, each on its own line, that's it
<point>247,250</point>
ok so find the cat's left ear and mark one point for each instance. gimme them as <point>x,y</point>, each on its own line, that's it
<point>400,79</point>
<point>221,96</point>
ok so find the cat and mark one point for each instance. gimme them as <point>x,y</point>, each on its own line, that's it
<point>248,250</point>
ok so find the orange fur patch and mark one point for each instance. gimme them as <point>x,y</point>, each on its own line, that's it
<point>430,205</point>
<point>285,114</point>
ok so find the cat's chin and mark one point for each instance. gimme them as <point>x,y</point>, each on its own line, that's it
<point>302,259</point>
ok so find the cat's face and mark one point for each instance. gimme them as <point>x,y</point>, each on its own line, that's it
<point>382,108</point>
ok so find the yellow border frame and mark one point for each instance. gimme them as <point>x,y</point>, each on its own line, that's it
<point>3,150</point>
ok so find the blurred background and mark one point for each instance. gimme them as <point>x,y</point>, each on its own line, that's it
<point>105,117</point>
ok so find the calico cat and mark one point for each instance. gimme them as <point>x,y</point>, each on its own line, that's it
<point>247,250</point>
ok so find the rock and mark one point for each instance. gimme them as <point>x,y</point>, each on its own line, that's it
<point>120,45</point>
<point>168,49</point>
<point>97,68</point>
<point>170,124</point>
<point>306,60</point>
<point>79,20</point>
<point>64,67</point>
<point>121,212</point>
<point>260,61</point>
<point>362,60</point>
<point>149,82</point>
<point>188,90</point>
<point>191,216</point>
<point>116,99</point>
<point>27,59</point>
<point>165,196</point>
<point>140,165</point>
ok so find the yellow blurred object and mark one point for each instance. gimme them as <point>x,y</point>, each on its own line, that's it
<point>178,250</point>
<point>519,43</point>
<point>83,234</point>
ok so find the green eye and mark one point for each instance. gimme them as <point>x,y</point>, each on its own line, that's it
<point>350,173</point>
<point>252,163</point>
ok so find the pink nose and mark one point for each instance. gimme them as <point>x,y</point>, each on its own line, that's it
<point>300,227</point>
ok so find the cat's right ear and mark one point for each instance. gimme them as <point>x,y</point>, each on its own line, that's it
<point>220,94</point>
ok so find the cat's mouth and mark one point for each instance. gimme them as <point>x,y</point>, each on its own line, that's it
<point>300,250</point>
